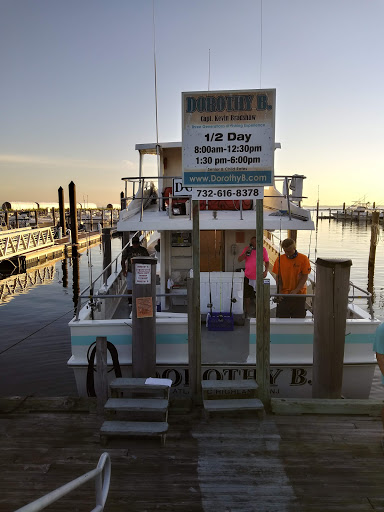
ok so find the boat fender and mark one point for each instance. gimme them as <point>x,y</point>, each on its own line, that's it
<point>91,366</point>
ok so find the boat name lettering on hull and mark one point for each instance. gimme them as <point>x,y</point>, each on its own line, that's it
<point>292,377</point>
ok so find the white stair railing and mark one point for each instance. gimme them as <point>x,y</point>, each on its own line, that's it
<point>102,487</point>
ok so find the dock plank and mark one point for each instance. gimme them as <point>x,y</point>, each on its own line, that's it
<point>242,404</point>
<point>309,463</point>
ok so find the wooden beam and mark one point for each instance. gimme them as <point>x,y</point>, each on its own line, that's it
<point>196,294</point>
<point>288,406</point>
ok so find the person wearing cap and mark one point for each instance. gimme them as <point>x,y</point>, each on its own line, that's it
<point>291,269</point>
<point>126,261</point>
<point>378,347</point>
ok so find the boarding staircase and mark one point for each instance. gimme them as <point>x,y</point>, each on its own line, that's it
<point>138,408</point>
<point>222,396</point>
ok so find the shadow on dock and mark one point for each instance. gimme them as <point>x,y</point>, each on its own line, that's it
<point>280,463</point>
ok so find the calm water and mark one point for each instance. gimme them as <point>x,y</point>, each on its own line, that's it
<point>35,341</point>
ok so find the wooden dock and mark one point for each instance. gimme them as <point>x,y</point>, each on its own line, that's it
<point>274,464</point>
<point>344,216</point>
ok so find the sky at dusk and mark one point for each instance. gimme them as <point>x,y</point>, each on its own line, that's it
<point>77,88</point>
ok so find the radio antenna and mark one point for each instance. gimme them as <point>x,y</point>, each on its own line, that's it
<point>209,67</point>
<point>155,72</point>
<point>261,38</point>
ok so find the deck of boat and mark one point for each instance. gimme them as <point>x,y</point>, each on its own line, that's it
<point>280,463</point>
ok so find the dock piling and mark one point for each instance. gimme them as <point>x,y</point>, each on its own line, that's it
<point>107,252</point>
<point>144,317</point>
<point>331,306</point>
<point>73,216</point>
<point>372,248</point>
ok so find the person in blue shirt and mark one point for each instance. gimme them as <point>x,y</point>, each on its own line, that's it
<point>378,347</point>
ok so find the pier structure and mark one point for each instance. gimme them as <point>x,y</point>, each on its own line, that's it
<point>343,214</point>
<point>281,462</point>
<point>21,249</point>
<point>14,242</point>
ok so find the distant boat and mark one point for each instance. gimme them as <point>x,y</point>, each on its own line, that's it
<point>359,210</point>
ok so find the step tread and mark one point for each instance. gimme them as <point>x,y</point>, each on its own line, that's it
<point>133,427</point>
<point>229,384</point>
<point>234,404</point>
<point>137,404</point>
<point>134,383</point>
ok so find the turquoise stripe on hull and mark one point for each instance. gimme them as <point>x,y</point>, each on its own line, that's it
<point>116,339</point>
<point>172,339</point>
<point>307,339</point>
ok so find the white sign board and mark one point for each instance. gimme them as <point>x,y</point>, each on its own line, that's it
<point>228,138</point>
<point>142,273</point>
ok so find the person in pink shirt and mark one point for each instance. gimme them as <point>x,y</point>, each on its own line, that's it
<point>249,255</point>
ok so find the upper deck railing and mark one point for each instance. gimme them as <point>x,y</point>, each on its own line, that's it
<point>145,189</point>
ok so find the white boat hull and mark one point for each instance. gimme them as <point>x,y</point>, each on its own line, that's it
<point>291,353</point>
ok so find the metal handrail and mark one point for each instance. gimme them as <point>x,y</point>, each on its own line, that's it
<point>113,262</point>
<point>143,179</point>
<point>101,491</point>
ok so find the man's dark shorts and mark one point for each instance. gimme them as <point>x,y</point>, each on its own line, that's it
<point>291,307</point>
<point>249,292</point>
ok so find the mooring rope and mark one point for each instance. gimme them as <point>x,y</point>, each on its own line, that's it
<point>38,330</point>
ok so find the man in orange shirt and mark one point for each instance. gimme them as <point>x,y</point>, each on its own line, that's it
<point>291,269</point>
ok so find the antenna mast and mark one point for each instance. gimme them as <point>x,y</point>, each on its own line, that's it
<point>261,38</point>
<point>209,67</point>
<point>155,72</point>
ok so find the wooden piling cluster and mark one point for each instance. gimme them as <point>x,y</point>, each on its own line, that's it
<point>74,213</point>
